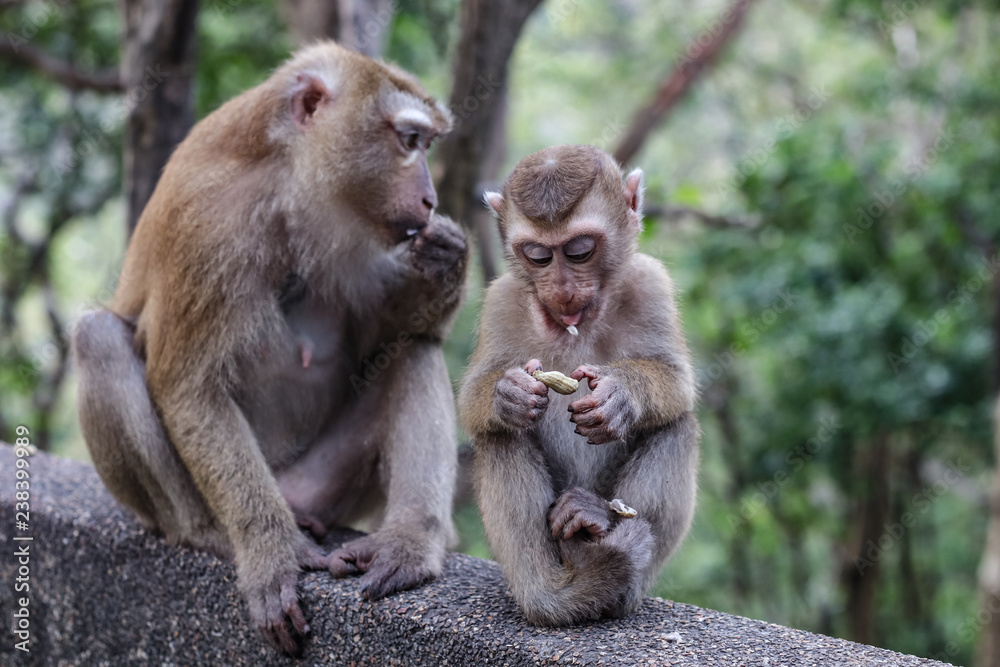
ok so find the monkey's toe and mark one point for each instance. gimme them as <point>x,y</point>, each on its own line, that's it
<point>387,578</point>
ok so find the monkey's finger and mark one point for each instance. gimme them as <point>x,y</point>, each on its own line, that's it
<point>585,404</point>
<point>290,603</point>
<point>558,518</point>
<point>585,372</point>
<point>288,643</point>
<point>539,388</point>
<point>313,558</point>
<point>276,632</point>
<point>532,366</point>
<point>341,564</point>
<point>297,618</point>
<point>601,436</point>
<point>540,402</point>
<point>591,418</point>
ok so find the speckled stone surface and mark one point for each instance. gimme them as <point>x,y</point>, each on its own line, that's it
<point>104,592</point>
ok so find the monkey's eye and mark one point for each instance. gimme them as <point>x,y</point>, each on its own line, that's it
<point>538,254</point>
<point>579,249</point>
<point>410,140</point>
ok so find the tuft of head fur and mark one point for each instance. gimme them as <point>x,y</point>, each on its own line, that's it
<point>546,187</point>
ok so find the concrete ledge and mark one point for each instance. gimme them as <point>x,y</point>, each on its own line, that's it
<point>103,591</point>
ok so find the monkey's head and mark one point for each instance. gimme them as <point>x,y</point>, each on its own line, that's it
<point>568,223</point>
<point>358,132</point>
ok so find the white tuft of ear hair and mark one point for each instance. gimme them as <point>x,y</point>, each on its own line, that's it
<point>634,190</point>
<point>494,200</point>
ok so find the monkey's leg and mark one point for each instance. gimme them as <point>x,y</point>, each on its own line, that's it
<point>555,582</point>
<point>417,468</point>
<point>127,443</point>
<point>660,482</point>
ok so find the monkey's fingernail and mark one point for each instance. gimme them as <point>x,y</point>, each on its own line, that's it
<point>591,442</point>
<point>570,409</point>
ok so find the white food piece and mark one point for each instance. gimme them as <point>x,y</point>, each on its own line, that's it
<point>621,509</point>
<point>572,330</point>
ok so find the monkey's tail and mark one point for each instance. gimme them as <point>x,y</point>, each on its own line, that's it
<point>595,580</point>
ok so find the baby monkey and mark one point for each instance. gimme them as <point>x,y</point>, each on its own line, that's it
<point>578,295</point>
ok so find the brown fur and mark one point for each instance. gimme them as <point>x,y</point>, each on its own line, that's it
<point>548,185</point>
<point>543,490</point>
<point>289,242</point>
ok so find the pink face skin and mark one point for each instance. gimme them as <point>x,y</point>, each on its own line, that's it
<point>562,268</point>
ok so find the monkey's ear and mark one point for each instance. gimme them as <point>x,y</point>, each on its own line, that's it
<point>634,190</point>
<point>309,94</point>
<point>494,200</point>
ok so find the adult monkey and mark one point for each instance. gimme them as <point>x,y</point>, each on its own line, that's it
<point>579,296</point>
<point>290,239</point>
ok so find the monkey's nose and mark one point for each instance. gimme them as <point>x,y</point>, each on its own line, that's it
<point>431,201</point>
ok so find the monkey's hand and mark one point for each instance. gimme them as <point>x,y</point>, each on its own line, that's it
<point>440,251</point>
<point>606,414</point>
<point>520,400</point>
<point>274,602</point>
<point>389,564</point>
<point>579,510</point>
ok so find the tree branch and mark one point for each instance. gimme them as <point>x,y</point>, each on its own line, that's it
<point>103,81</point>
<point>681,79</point>
<point>707,219</point>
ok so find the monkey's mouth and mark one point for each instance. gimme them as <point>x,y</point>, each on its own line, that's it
<point>406,229</point>
<point>560,324</point>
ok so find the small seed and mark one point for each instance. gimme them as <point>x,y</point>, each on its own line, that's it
<point>622,509</point>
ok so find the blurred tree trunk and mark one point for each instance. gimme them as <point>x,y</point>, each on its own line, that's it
<point>489,31</point>
<point>989,567</point>
<point>157,71</point>
<point>359,25</point>
<point>860,574</point>
<point>988,651</point>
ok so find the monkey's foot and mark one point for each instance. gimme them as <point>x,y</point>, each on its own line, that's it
<point>310,524</point>
<point>311,556</point>
<point>579,510</point>
<point>389,564</point>
<point>273,607</point>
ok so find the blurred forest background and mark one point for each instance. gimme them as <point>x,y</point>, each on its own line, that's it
<point>822,182</point>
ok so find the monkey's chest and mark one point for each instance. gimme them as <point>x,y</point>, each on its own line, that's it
<point>297,382</point>
<point>571,461</point>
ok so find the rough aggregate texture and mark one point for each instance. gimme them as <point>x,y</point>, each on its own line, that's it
<point>106,592</point>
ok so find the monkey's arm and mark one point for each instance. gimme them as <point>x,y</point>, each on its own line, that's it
<point>498,395</point>
<point>186,370</point>
<point>660,482</point>
<point>436,262</point>
<point>650,383</point>
<point>419,459</point>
